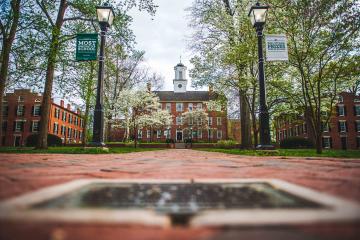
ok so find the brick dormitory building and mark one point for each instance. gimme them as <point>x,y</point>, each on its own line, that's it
<point>342,131</point>
<point>177,102</point>
<point>21,118</point>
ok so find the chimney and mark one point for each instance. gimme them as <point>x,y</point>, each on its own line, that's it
<point>68,106</point>
<point>148,85</point>
<point>62,103</point>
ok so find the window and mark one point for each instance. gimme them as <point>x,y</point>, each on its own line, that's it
<point>64,116</point>
<point>70,118</point>
<point>357,126</point>
<point>35,126</point>
<point>158,133</point>
<point>340,99</point>
<point>20,110</point>
<point>342,126</point>
<point>210,133</point>
<point>75,134</point>
<point>36,111</point>
<point>56,128</point>
<point>81,123</point>
<point>341,111</point>
<point>199,133</point>
<point>199,106</point>
<point>19,126</point>
<point>210,121</point>
<point>139,133</point>
<point>199,121</point>
<point>190,107</point>
<point>178,120</point>
<point>218,121</point>
<point>180,75</point>
<point>168,107</point>
<point>326,142</point>
<point>325,127</point>
<point>20,99</point>
<point>219,134</point>
<point>148,133</point>
<point>358,141</point>
<point>80,135</point>
<point>5,110</point>
<point>63,130</point>
<point>357,110</point>
<point>191,121</point>
<point>167,133</point>
<point>179,107</point>
<point>69,133</point>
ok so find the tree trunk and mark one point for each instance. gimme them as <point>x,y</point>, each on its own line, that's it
<point>245,121</point>
<point>53,52</point>
<point>85,122</point>
<point>8,40</point>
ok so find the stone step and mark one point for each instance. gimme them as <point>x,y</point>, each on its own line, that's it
<point>180,145</point>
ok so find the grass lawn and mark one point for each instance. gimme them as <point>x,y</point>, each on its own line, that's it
<point>75,150</point>
<point>289,152</point>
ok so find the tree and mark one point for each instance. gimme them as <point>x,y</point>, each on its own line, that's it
<point>195,121</point>
<point>323,38</point>
<point>60,15</point>
<point>9,21</point>
<point>140,109</point>
<point>225,47</point>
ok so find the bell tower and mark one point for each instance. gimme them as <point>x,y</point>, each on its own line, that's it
<point>180,80</point>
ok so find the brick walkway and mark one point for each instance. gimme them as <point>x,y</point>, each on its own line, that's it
<point>20,173</point>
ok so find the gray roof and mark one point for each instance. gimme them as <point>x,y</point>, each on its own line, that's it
<point>196,96</point>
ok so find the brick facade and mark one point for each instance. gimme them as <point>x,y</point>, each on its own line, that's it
<point>342,132</point>
<point>22,118</point>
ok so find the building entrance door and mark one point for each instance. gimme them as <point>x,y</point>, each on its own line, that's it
<point>179,136</point>
<point>343,143</point>
<point>17,141</point>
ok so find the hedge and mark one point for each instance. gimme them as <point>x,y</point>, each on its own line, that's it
<point>52,140</point>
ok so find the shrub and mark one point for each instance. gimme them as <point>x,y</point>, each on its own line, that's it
<point>296,142</point>
<point>188,140</point>
<point>226,144</point>
<point>169,140</point>
<point>53,140</point>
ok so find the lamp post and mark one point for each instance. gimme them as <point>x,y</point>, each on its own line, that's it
<point>105,16</point>
<point>257,16</point>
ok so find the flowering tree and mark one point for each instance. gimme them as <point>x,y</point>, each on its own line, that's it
<point>140,109</point>
<point>195,121</point>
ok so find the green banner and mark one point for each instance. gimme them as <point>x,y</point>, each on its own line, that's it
<point>86,46</point>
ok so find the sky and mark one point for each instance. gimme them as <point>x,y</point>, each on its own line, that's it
<point>164,39</point>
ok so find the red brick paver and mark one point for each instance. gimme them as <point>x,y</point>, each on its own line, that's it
<point>20,173</point>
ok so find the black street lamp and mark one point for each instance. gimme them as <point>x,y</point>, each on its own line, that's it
<point>257,16</point>
<point>105,16</point>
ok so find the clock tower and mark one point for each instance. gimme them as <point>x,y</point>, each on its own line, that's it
<point>180,80</point>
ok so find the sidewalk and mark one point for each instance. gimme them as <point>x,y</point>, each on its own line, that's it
<point>20,173</point>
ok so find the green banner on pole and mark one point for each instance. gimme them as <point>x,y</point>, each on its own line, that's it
<point>86,46</point>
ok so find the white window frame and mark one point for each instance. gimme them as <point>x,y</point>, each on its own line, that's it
<point>326,143</point>
<point>33,126</point>
<point>56,128</point>
<point>34,111</point>
<point>17,124</point>
<point>218,121</point>
<point>139,135</point>
<point>18,110</point>
<point>168,107</point>
<point>219,134</point>
<point>341,114</point>
<point>344,125</point>
<point>199,106</point>
<point>148,134</point>
<point>210,133</point>
<point>210,121</point>
<point>179,107</point>
<point>178,120</point>
<point>340,99</point>
<point>190,107</point>
<point>21,99</point>
<point>357,113</point>
<point>158,133</point>
<point>357,125</point>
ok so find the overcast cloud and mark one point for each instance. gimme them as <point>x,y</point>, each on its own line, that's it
<point>164,37</point>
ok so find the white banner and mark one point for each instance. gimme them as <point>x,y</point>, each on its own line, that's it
<point>276,47</point>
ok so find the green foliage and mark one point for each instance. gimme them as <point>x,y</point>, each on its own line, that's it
<point>296,142</point>
<point>226,144</point>
<point>53,140</point>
